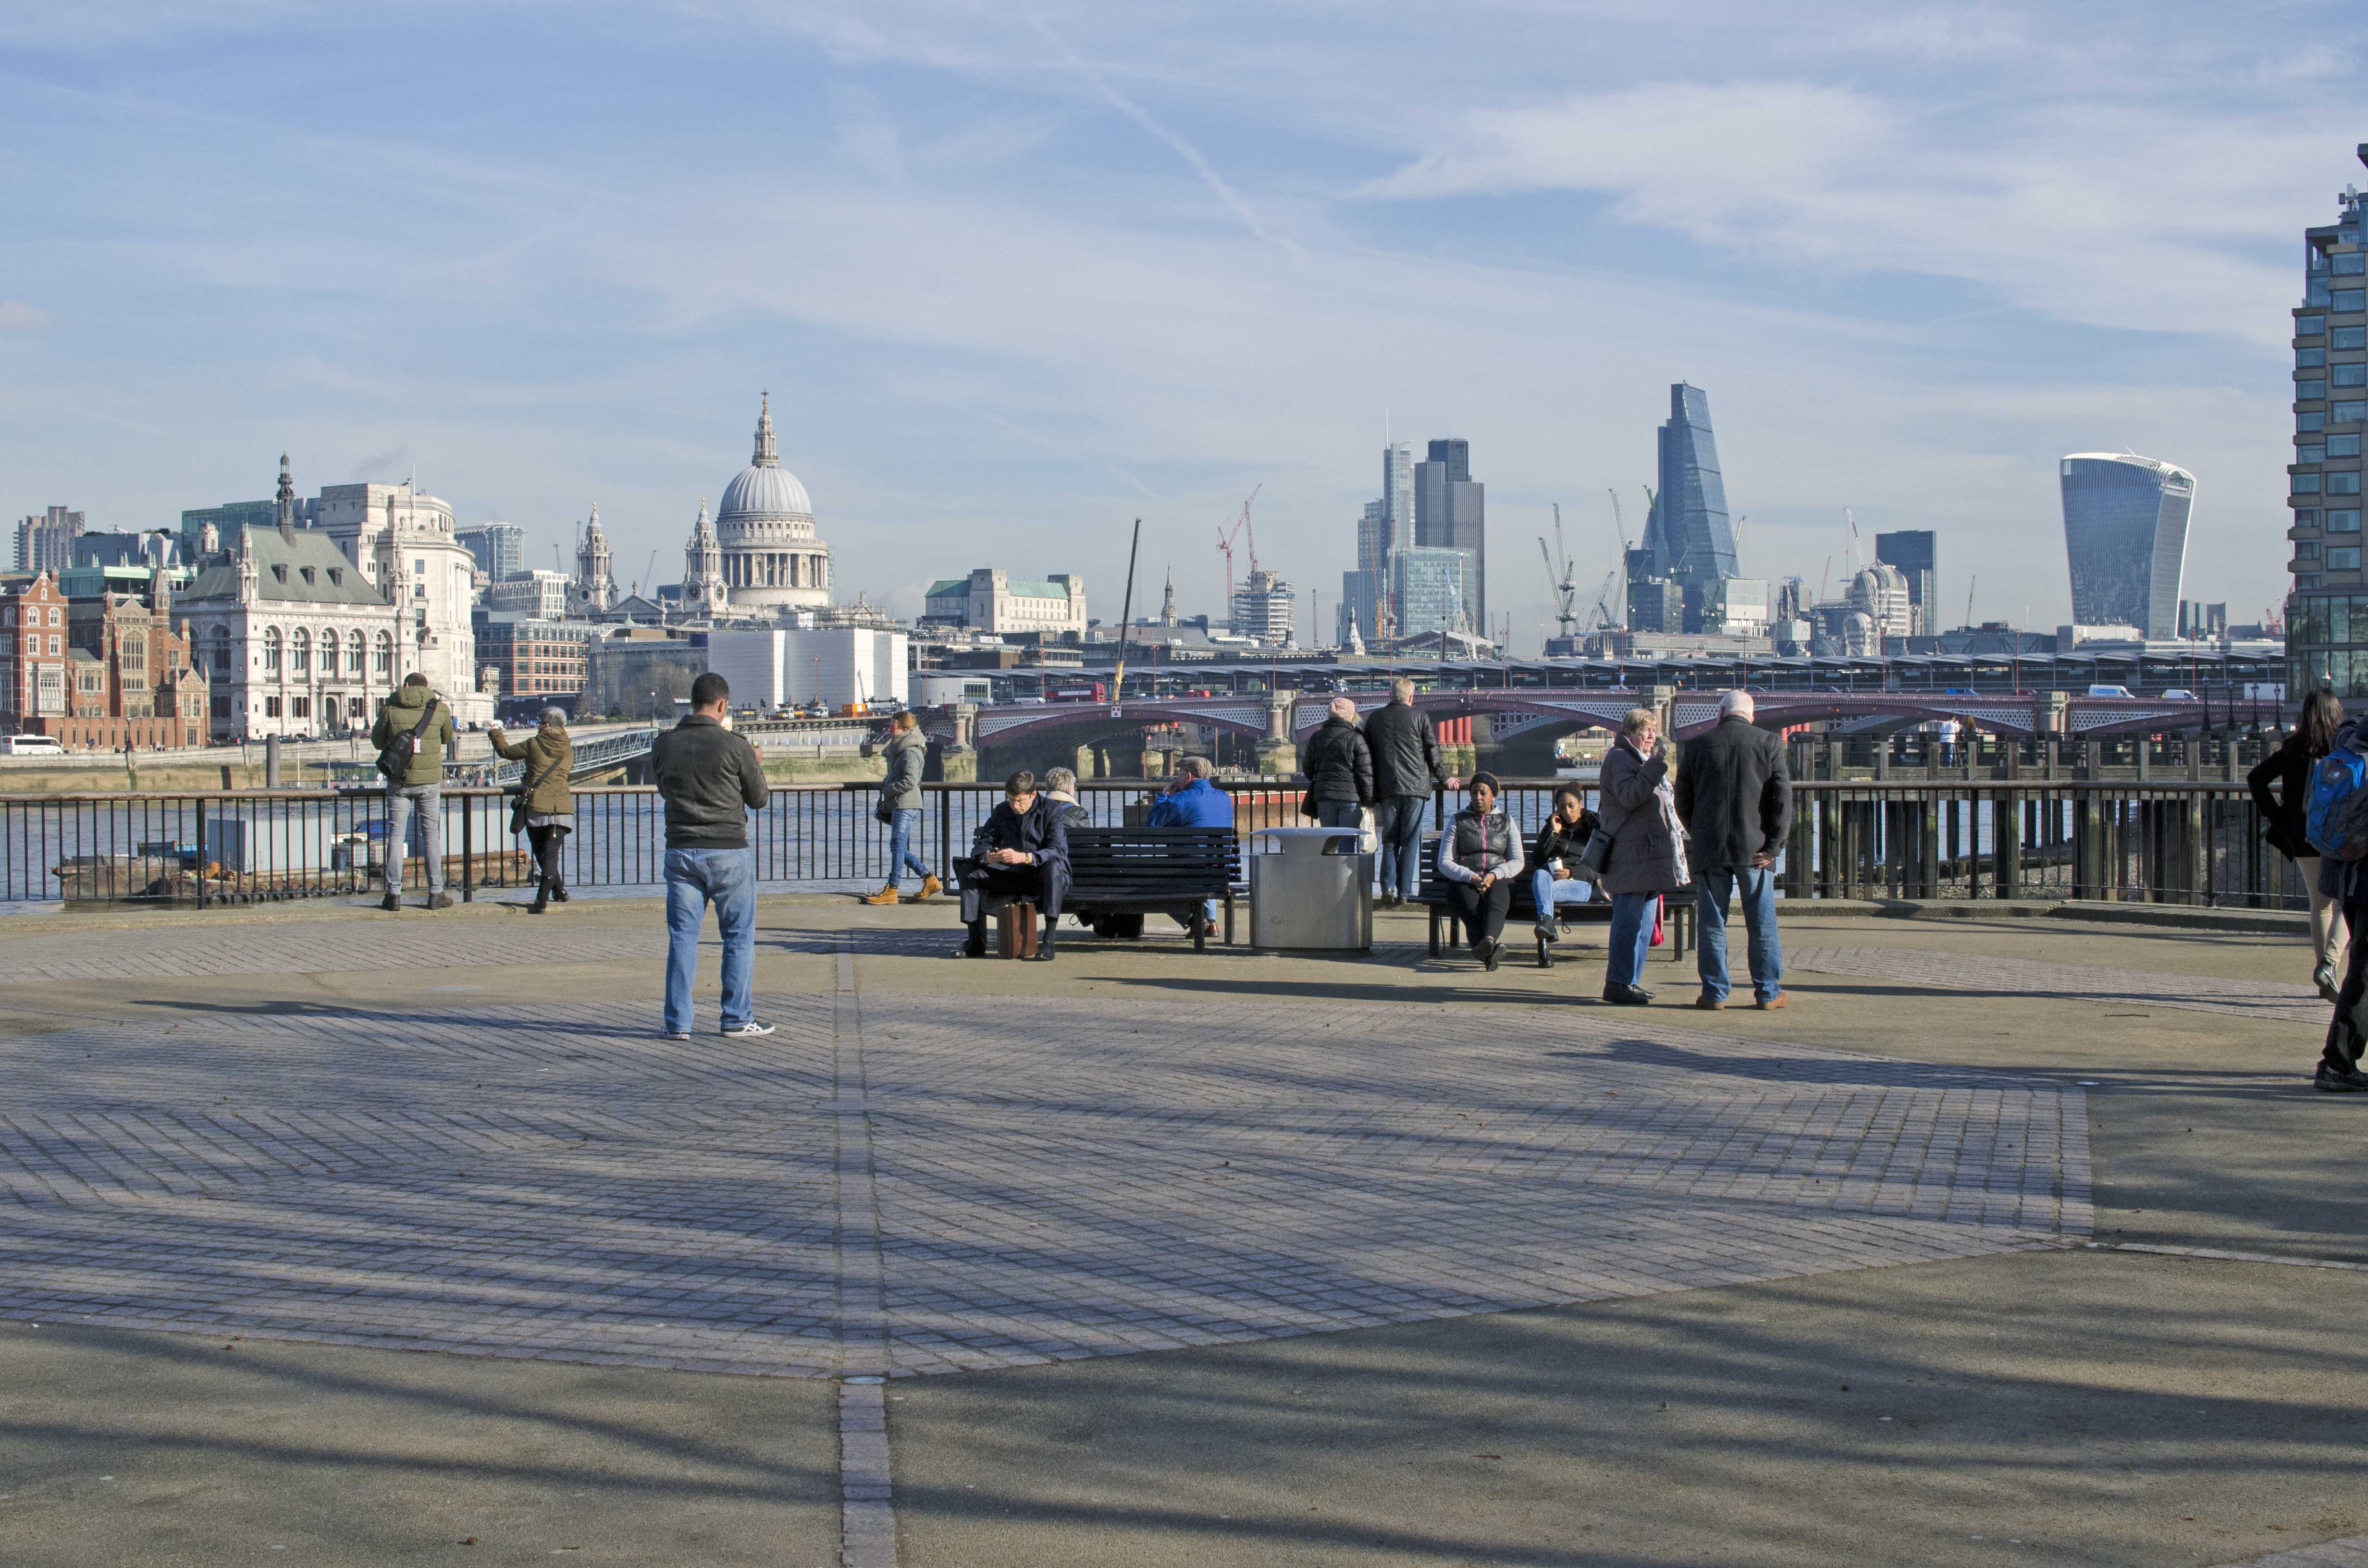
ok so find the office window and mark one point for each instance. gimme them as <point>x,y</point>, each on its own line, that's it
<point>2348,413</point>
<point>2343,559</point>
<point>2305,517</point>
<point>2348,338</point>
<point>2348,301</point>
<point>383,656</point>
<point>2343,445</point>
<point>271,650</point>
<point>299,648</point>
<point>2343,484</point>
<point>2343,520</point>
<point>2316,292</point>
<point>2310,391</point>
<point>2313,420</point>
<point>2306,549</point>
<point>2305,484</point>
<point>301,707</point>
<point>271,708</point>
<point>2349,265</point>
<point>2309,358</point>
<point>55,645</point>
<point>2347,375</point>
<point>2310,452</point>
<point>2309,326</point>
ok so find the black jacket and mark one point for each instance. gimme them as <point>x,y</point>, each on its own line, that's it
<point>1042,830</point>
<point>2290,768</point>
<point>1563,842</point>
<point>1339,765</point>
<point>709,779</point>
<point>1405,752</point>
<point>1732,795</point>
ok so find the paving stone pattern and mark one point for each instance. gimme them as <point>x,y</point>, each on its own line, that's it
<point>1048,1180</point>
<point>413,939</point>
<point>2349,1553</point>
<point>1974,976</point>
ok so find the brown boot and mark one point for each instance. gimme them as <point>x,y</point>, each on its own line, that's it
<point>886,895</point>
<point>930,888</point>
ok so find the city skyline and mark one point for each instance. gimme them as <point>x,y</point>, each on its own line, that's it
<point>2008,295</point>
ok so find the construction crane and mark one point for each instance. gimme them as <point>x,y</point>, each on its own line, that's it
<point>1226,537</point>
<point>1615,585</point>
<point>1565,587</point>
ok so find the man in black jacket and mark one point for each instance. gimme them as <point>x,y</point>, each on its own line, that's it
<point>710,779</point>
<point>1735,800</point>
<point>1338,767</point>
<point>1405,770</point>
<point>1021,851</point>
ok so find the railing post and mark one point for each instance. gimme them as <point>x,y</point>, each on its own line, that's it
<point>200,804</point>
<point>2198,848</point>
<point>468,847</point>
<point>2083,827</point>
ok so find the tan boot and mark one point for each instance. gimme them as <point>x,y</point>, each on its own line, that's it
<point>930,888</point>
<point>886,895</point>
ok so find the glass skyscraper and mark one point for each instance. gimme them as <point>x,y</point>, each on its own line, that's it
<point>499,548</point>
<point>2125,536</point>
<point>2327,609</point>
<point>1428,584</point>
<point>1451,513</point>
<point>1689,538</point>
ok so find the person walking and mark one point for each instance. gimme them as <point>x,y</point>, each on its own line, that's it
<point>549,756</point>
<point>900,804</point>
<point>1339,767</point>
<point>2346,882</point>
<point>710,779</point>
<point>1735,800</point>
<point>1480,859</point>
<point>415,724</point>
<point>2290,769</point>
<point>1406,770</point>
<point>1648,849</point>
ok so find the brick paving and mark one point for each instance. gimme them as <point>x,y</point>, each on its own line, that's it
<point>414,939</point>
<point>1974,975</point>
<point>2348,1554</point>
<point>928,1182</point>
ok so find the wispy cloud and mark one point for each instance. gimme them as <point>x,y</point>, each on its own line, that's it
<point>17,317</point>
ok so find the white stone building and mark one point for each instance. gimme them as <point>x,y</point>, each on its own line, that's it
<point>765,530</point>
<point>405,544</point>
<point>994,601</point>
<point>539,593</point>
<point>705,593</point>
<point>596,585</point>
<point>835,665</point>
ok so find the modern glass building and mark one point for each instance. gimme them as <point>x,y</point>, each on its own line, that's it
<point>499,548</point>
<point>2327,609</point>
<point>1689,536</point>
<point>2125,535</point>
<point>1450,512</point>
<point>1917,553</point>
<point>1428,585</point>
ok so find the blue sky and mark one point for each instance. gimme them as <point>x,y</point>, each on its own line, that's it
<point>1015,276</point>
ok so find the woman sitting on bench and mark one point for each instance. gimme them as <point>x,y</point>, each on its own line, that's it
<point>1556,858</point>
<point>1480,858</point>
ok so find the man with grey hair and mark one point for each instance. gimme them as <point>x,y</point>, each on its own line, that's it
<point>1405,770</point>
<point>1192,800</point>
<point>1061,784</point>
<point>1737,803</point>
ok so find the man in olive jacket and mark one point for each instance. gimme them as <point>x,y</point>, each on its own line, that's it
<point>709,779</point>
<point>419,723</point>
<point>1735,800</point>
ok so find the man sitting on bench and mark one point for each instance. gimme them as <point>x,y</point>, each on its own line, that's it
<point>1020,852</point>
<point>1192,801</point>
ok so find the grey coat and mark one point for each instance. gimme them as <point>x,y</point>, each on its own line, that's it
<point>1645,856</point>
<point>901,790</point>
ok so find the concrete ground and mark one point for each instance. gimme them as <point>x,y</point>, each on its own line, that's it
<point>2069,1405</point>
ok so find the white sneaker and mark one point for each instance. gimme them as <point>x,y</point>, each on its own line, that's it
<point>751,1028</point>
<point>676,1034</point>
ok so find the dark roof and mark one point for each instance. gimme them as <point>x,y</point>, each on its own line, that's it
<point>335,580</point>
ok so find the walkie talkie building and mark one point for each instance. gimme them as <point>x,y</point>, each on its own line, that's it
<point>2125,533</point>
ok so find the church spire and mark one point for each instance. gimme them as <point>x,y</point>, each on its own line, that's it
<point>768,456</point>
<point>286,500</point>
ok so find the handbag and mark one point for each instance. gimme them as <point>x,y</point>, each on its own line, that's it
<point>1595,856</point>
<point>1369,841</point>
<point>883,813</point>
<point>518,802</point>
<point>1308,806</point>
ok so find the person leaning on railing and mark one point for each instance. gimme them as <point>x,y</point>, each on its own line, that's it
<point>548,755</point>
<point>2290,769</point>
<point>419,721</point>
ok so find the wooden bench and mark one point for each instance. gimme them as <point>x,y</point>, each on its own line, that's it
<point>1118,875</point>
<point>1678,911</point>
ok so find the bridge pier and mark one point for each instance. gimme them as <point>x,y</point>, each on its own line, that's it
<point>1276,752</point>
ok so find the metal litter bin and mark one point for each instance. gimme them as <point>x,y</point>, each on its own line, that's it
<point>1310,890</point>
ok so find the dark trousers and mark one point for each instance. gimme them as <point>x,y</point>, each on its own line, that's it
<point>985,889</point>
<point>2343,1041</point>
<point>545,843</point>
<point>1483,913</point>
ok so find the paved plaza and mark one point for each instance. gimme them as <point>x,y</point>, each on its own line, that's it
<point>461,1135</point>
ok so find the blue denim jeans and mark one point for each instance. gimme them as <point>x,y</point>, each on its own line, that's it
<point>427,801</point>
<point>1713,886</point>
<point>1338,813</point>
<point>904,832</point>
<point>1545,891</point>
<point>695,879</point>
<point>1397,824</point>
<point>1632,937</point>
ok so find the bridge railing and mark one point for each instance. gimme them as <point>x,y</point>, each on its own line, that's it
<point>2178,841</point>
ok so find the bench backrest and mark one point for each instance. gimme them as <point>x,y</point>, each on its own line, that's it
<point>1200,860</point>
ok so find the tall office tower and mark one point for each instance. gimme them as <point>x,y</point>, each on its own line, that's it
<point>2125,536</point>
<point>1429,588</point>
<point>1347,626</point>
<point>2326,645</point>
<point>499,548</point>
<point>1689,536</point>
<point>1451,513</point>
<point>1917,553</point>
<point>1397,510</point>
<point>46,543</point>
<point>1368,595</point>
<point>1267,607</point>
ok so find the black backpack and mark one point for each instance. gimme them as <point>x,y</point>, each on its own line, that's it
<point>395,760</point>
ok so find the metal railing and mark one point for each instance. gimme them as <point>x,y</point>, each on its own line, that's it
<point>2162,842</point>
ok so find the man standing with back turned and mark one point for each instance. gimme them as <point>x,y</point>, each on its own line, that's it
<point>418,726</point>
<point>1737,803</point>
<point>1405,770</point>
<point>709,779</point>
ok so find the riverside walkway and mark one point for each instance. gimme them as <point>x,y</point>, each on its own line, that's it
<point>2013,1240</point>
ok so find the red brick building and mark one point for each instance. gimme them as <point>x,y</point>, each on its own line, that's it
<point>32,657</point>
<point>98,674</point>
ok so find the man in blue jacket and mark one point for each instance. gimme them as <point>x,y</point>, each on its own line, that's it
<point>1192,801</point>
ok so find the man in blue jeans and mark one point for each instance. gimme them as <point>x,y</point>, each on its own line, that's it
<point>1737,803</point>
<point>710,779</point>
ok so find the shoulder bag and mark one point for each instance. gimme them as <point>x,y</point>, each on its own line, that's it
<point>395,760</point>
<point>1593,858</point>
<point>518,801</point>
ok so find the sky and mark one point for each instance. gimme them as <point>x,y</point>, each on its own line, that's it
<point>1018,275</point>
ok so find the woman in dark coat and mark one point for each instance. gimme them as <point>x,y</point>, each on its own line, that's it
<point>1648,848</point>
<point>549,754</point>
<point>1339,767</point>
<point>2290,769</point>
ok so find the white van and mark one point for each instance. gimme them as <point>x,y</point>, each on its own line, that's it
<point>2109,691</point>
<point>31,745</point>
